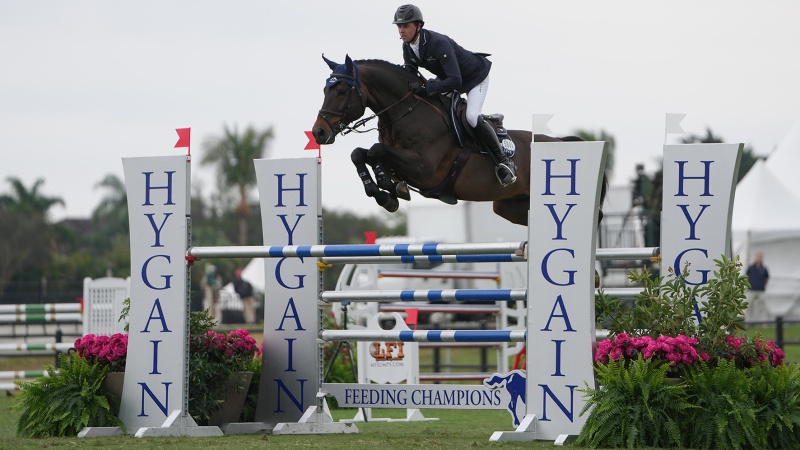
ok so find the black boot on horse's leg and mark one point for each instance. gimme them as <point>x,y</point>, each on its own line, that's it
<point>504,168</point>
<point>385,199</point>
<point>385,182</point>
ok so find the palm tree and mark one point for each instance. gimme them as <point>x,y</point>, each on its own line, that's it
<point>28,201</point>
<point>26,237</point>
<point>233,153</point>
<point>113,208</point>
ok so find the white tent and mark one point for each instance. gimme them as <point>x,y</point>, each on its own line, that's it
<point>766,218</point>
<point>784,161</point>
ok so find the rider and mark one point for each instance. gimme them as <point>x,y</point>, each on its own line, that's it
<point>457,70</point>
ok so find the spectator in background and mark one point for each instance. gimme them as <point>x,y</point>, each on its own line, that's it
<point>245,291</point>
<point>211,284</point>
<point>758,276</point>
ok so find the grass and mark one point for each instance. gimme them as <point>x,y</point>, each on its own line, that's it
<point>455,429</point>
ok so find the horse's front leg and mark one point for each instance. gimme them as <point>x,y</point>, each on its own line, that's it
<point>384,199</point>
<point>375,159</point>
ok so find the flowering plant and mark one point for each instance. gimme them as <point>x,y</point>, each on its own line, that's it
<point>110,351</point>
<point>235,349</point>
<point>748,352</point>
<point>679,352</point>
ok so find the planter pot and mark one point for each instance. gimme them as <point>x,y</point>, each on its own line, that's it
<point>113,387</point>
<point>234,401</point>
<point>673,381</point>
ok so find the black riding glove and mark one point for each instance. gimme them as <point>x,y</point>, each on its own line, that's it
<point>417,88</point>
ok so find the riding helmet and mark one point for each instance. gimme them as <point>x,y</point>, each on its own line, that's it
<point>408,14</point>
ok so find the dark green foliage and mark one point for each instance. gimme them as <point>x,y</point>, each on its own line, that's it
<point>724,306</point>
<point>348,228</point>
<point>726,411</point>
<point>777,392</point>
<point>66,401</point>
<point>211,375</point>
<point>634,406</point>
<point>249,410</point>
<point>664,307</point>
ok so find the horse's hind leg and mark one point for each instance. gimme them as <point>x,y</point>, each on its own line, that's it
<point>384,199</point>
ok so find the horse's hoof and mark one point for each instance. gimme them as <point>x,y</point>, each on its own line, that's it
<point>391,204</point>
<point>401,189</point>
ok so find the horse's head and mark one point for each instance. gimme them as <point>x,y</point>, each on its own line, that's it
<point>343,101</point>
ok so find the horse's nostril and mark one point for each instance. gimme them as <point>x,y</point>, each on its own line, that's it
<point>318,132</point>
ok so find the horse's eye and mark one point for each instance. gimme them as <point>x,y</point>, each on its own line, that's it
<point>341,92</point>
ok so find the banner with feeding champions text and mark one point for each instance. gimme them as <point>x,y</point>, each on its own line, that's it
<point>157,208</point>
<point>291,211</point>
<point>566,180</point>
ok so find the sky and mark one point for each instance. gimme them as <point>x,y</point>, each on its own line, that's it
<point>86,83</point>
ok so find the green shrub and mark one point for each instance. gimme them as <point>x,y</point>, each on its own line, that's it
<point>249,410</point>
<point>777,391</point>
<point>635,405</point>
<point>726,410</point>
<point>66,401</point>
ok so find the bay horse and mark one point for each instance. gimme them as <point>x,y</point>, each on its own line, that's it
<point>417,146</point>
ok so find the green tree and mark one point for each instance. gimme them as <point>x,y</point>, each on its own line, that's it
<point>602,135</point>
<point>29,201</point>
<point>348,228</point>
<point>113,207</point>
<point>233,154</point>
<point>26,236</point>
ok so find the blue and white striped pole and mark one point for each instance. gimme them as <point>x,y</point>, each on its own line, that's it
<point>437,295</point>
<point>425,336</point>
<point>319,251</point>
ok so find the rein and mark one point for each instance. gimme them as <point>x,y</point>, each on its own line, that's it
<point>361,122</point>
<point>344,126</point>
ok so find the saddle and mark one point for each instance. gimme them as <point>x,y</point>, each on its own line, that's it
<point>457,112</point>
<point>456,109</point>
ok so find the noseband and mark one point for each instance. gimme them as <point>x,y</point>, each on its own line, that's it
<point>324,114</point>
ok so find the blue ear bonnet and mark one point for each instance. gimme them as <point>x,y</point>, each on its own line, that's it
<point>342,73</point>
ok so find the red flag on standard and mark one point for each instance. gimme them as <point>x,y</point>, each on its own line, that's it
<point>183,137</point>
<point>312,142</point>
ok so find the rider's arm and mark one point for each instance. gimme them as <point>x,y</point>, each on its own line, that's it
<point>446,57</point>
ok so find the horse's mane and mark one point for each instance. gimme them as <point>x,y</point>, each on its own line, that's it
<point>399,70</point>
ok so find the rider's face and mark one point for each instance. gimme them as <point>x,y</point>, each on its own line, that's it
<point>407,31</point>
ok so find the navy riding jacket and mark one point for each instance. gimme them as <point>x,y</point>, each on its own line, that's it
<point>456,69</point>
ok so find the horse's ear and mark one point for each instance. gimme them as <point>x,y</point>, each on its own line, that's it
<point>330,63</point>
<point>352,68</point>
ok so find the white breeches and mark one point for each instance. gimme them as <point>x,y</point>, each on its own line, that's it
<point>475,98</point>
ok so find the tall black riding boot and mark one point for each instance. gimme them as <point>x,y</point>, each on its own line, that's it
<point>504,169</point>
